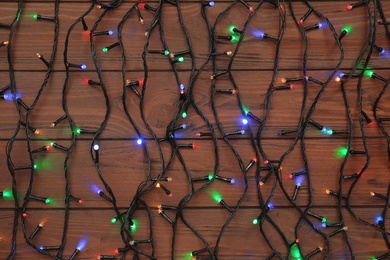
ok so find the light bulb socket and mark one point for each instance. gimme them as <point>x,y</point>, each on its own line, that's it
<point>239,132</point>
<point>223,203</point>
<point>162,52</point>
<point>32,197</point>
<point>204,178</point>
<point>43,17</point>
<point>107,48</point>
<point>314,80</point>
<point>314,26</point>
<point>3,25</point>
<point>284,132</point>
<point>18,168</point>
<point>214,76</point>
<point>378,195</point>
<point>337,231</point>
<point>85,26</point>
<point>148,7</point>
<point>167,179</point>
<point>288,86</point>
<point>199,134</point>
<point>162,213</point>
<point>58,146</point>
<point>251,115</point>
<point>368,120</point>
<point>303,18</point>
<point>191,145</point>
<point>227,91</point>
<point>374,75</point>
<point>223,178</point>
<point>224,37</point>
<point>165,189</point>
<point>140,18</point>
<point>55,123</point>
<point>103,33</point>
<point>94,83</point>
<point>101,194</point>
<point>76,251</point>
<point>101,257</point>
<point>180,53</point>
<point>4,43</point>
<point>248,6</point>
<point>356,152</point>
<point>43,148</point>
<point>50,247</point>
<point>265,36</point>
<point>294,197</point>
<point>39,227</point>
<point>318,250</point>
<point>39,56</point>
<point>343,33</point>
<point>79,66</point>
<point>351,6</point>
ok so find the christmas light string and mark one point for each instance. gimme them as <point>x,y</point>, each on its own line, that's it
<point>187,101</point>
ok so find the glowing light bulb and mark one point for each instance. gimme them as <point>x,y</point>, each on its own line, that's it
<point>139,141</point>
<point>378,220</point>
<point>255,221</point>
<point>96,147</point>
<point>245,121</point>
<point>184,115</point>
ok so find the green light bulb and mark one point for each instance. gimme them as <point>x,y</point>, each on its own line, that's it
<point>369,73</point>
<point>105,49</point>
<point>347,29</point>
<point>77,130</point>
<point>180,59</point>
<point>48,201</point>
<point>341,152</point>
<point>134,226</point>
<point>295,253</point>
<point>255,221</point>
<point>246,110</point>
<point>35,16</point>
<point>216,196</point>
<point>184,115</point>
<point>211,176</point>
<point>166,52</point>
<point>231,28</point>
<point>235,38</point>
<point>7,194</point>
<point>35,166</point>
<point>113,220</point>
<point>323,220</point>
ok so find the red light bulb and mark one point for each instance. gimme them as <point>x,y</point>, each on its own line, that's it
<point>141,5</point>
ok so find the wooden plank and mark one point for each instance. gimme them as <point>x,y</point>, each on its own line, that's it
<point>102,237</point>
<point>37,36</point>
<point>86,105</point>
<point>124,168</point>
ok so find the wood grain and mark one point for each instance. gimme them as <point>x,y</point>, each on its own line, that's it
<point>123,164</point>
<point>37,36</point>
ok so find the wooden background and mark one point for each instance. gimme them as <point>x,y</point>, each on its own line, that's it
<point>122,162</point>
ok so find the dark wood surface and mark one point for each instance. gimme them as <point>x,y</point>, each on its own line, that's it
<point>122,161</point>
